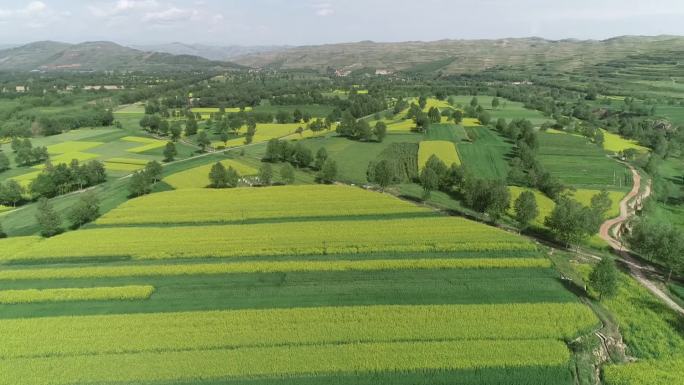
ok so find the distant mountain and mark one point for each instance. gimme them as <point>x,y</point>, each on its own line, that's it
<point>461,56</point>
<point>210,52</point>
<point>98,56</point>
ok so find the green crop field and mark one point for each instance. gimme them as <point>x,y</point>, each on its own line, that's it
<point>487,155</point>
<point>350,286</point>
<point>579,163</point>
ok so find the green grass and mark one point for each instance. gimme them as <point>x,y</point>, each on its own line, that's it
<point>448,132</point>
<point>579,163</point>
<point>309,289</point>
<point>487,156</point>
<point>352,157</point>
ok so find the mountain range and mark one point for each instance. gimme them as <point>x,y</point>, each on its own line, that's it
<point>98,56</point>
<point>444,56</point>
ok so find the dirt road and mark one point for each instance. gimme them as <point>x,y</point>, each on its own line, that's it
<point>611,229</point>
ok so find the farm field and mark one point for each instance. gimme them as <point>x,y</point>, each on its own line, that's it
<point>444,150</point>
<point>487,155</point>
<point>247,204</point>
<point>616,143</point>
<point>369,302</point>
<point>579,163</point>
<point>121,152</point>
<point>198,177</point>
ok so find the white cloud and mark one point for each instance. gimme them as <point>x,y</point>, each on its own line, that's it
<point>323,9</point>
<point>170,15</point>
<point>32,9</point>
<point>122,7</point>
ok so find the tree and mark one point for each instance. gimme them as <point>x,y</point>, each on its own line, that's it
<point>2,232</point>
<point>604,278</point>
<point>302,156</point>
<point>265,174</point>
<point>191,127</point>
<point>287,173</point>
<point>232,177</point>
<point>484,118</point>
<point>381,173</point>
<point>169,152</point>
<point>380,131</point>
<point>429,180</point>
<point>203,140</point>
<point>321,157</point>
<point>457,116</point>
<point>422,102</point>
<point>140,184</point>
<point>49,221</point>
<point>176,131</point>
<point>422,122</point>
<point>473,102</point>
<point>11,193</point>
<point>434,115</point>
<point>328,172</point>
<point>154,171</point>
<point>526,209</point>
<point>86,210</point>
<point>571,222</point>
<point>218,176</point>
<point>659,242</point>
<point>495,103</point>
<point>4,162</point>
<point>601,203</point>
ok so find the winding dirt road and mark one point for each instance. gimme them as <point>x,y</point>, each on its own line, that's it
<point>610,232</point>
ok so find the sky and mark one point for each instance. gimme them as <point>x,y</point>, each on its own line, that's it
<point>306,22</point>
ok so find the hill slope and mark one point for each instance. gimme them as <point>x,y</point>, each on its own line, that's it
<point>210,52</point>
<point>97,56</point>
<point>459,56</point>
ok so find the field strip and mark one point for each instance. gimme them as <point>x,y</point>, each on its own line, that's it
<point>445,234</point>
<point>198,330</point>
<point>210,205</point>
<point>270,267</point>
<point>284,361</point>
<point>121,293</point>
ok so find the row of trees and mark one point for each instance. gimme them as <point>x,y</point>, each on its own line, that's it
<point>84,211</point>
<point>301,156</point>
<point>361,130</point>
<point>26,154</point>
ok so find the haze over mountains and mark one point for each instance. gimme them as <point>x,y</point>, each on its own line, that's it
<point>444,56</point>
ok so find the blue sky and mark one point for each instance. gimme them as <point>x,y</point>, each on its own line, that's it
<point>302,22</point>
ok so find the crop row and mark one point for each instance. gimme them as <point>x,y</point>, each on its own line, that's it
<point>104,334</point>
<point>660,372</point>
<point>284,361</point>
<point>431,234</point>
<point>270,267</point>
<point>75,294</point>
<point>207,205</point>
<point>10,247</point>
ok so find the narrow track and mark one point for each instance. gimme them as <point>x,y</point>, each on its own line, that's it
<point>611,229</point>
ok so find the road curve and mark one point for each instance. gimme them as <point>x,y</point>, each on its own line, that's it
<point>627,209</point>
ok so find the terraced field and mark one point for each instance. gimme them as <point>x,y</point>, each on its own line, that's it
<point>316,285</point>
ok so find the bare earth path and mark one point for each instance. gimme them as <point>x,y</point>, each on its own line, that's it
<point>627,209</point>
